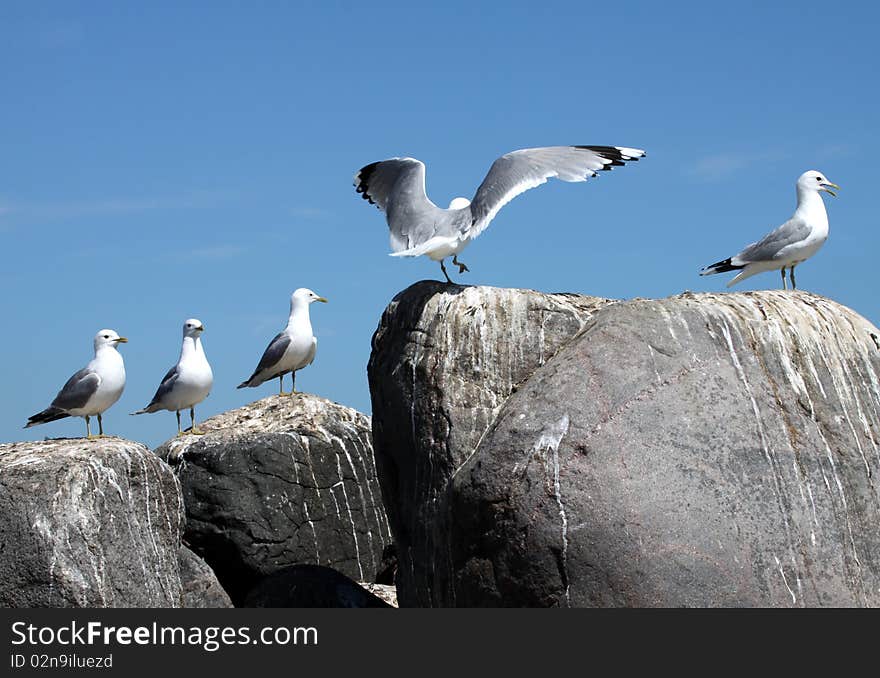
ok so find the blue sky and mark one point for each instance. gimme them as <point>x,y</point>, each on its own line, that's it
<point>166,160</point>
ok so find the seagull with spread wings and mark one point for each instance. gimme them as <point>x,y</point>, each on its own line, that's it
<point>418,226</point>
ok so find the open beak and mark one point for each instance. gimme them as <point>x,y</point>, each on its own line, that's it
<point>322,299</point>
<point>828,190</point>
<point>121,340</point>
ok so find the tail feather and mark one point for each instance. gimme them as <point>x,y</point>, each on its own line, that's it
<point>721,267</point>
<point>47,415</point>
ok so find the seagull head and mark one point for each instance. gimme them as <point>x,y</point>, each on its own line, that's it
<point>816,181</point>
<point>304,296</point>
<point>106,338</point>
<point>193,327</point>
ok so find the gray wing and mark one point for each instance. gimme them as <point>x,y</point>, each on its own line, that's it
<point>768,248</point>
<point>77,391</point>
<point>165,387</point>
<point>397,187</point>
<point>273,353</point>
<point>517,172</point>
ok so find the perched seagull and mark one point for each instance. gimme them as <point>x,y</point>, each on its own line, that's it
<point>794,242</point>
<point>397,187</point>
<point>293,348</point>
<point>187,383</point>
<point>93,389</point>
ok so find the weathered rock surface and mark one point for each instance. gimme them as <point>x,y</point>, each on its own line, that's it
<point>199,585</point>
<point>282,481</point>
<point>699,450</point>
<point>311,586</point>
<point>445,358</point>
<point>88,523</point>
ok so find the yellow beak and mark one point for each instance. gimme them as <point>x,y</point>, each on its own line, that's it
<point>321,299</point>
<point>828,190</point>
<point>121,340</point>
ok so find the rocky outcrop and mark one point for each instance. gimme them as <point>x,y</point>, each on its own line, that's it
<point>445,358</point>
<point>282,481</point>
<point>199,585</point>
<point>88,523</point>
<point>311,586</point>
<point>699,450</point>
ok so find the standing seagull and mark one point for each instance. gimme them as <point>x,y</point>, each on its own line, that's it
<point>293,348</point>
<point>93,389</point>
<point>187,383</point>
<point>397,187</point>
<point>794,242</point>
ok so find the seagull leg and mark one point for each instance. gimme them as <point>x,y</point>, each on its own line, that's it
<point>461,267</point>
<point>443,267</point>
<point>100,427</point>
<point>783,279</point>
<point>179,431</point>
<point>791,275</point>
<point>88,429</point>
<point>192,418</point>
<point>293,382</point>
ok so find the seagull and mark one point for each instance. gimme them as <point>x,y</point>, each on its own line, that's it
<point>397,187</point>
<point>187,383</point>
<point>292,349</point>
<point>794,242</point>
<point>93,389</point>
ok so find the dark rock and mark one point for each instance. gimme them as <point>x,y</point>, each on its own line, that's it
<point>88,523</point>
<point>282,481</point>
<point>199,583</point>
<point>445,358</point>
<point>310,586</point>
<point>387,573</point>
<point>701,450</point>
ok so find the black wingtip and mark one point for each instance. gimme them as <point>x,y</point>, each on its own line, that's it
<point>720,267</point>
<point>616,156</point>
<point>362,181</point>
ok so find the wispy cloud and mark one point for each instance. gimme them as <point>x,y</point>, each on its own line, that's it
<point>60,34</point>
<point>195,199</point>
<point>721,165</point>
<point>311,213</point>
<point>835,151</point>
<point>216,252</point>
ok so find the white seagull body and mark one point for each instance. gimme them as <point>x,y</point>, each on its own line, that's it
<point>418,227</point>
<point>794,242</point>
<point>291,349</point>
<point>187,383</point>
<point>92,390</point>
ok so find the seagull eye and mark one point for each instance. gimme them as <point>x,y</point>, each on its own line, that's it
<point>818,178</point>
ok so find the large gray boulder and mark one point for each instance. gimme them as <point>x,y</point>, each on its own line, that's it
<point>286,480</point>
<point>445,359</point>
<point>701,450</point>
<point>88,523</point>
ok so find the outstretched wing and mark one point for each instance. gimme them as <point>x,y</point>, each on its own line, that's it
<point>771,246</point>
<point>77,391</point>
<point>517,172</point>
<point>397,187</point>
